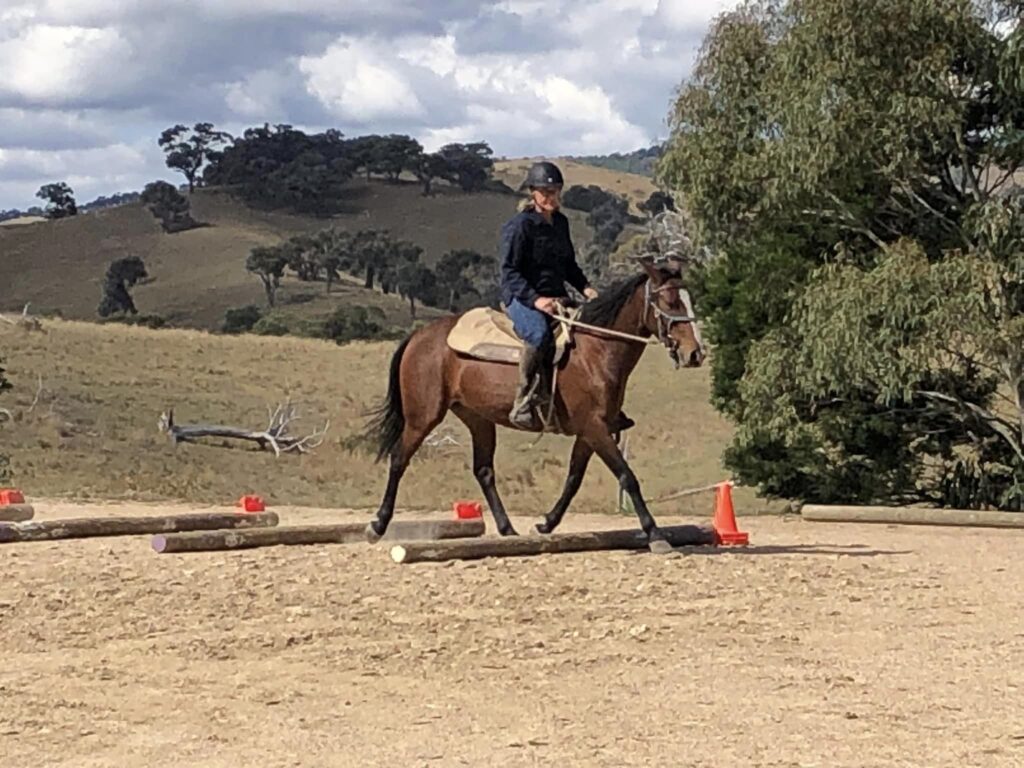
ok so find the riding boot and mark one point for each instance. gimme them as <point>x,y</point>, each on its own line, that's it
<point>530,362</point>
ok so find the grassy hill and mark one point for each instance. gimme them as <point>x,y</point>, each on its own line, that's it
<point>58,266</point>
<point>90,429</point>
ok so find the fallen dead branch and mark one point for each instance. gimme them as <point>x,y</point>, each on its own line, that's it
<point>275,435</point>
<point>24,320</point>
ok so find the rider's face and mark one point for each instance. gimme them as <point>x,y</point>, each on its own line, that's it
<point>547,199</point>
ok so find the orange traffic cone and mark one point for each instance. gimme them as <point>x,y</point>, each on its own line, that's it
<point>725,519</point>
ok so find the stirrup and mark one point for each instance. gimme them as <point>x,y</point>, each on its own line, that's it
<point>522,413</point>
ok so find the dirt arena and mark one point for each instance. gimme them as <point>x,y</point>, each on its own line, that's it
<point>820,645</point>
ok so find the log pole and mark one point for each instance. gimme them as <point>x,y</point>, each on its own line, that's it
<point>522,546</point>
<point>343,533</point>
<point>16,513</point>
<point>823,513</point>
<point>89,527</point>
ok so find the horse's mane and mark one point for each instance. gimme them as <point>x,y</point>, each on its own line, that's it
<point>603,310</point>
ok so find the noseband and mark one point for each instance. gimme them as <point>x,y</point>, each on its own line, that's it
<point>664,320</point>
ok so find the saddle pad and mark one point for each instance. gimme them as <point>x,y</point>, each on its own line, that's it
<point>487,334</point>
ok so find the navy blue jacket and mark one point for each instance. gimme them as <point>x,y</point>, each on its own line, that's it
<point>537,259</point>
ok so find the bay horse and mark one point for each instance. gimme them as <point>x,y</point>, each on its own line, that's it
<point>427,379</point>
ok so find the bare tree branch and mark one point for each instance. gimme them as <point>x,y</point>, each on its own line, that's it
<point>966,166</point>
<point>999,425</point>
<point>35,400</point>
<point>276,434</point>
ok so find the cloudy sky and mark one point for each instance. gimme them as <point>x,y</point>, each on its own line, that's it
<point>86,86</point>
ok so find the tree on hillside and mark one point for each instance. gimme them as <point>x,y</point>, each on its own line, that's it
<point>60,200</point>
<point>300,254</point>
<point>268,264</point>
<point>121,275</point>
<point>469,165</point>
<point>657,202</point>
<point>168,205</point>
<point>371,252</point>
<point>848,165</point>
<point>428,167</point>
<point>608,220</point>
<point>282,167</point>
<point>588,198</point>
<point>416,281</point>
<point>398,254</point>
<point>390,155</point>
<point>332,253</point>
<point>462,273</point>
<point>189,149</point>
<point>348,323</point>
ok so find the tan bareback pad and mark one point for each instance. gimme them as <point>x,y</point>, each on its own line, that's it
<point>487,334</point>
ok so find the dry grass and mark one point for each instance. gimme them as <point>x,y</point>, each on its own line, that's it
<point>93,431</point>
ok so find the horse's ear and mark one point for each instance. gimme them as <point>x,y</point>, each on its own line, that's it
<point>655,274</point>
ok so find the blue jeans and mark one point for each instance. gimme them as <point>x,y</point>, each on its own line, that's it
<point>531,325</point>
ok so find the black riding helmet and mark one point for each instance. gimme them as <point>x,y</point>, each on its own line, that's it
<point>543,174</point>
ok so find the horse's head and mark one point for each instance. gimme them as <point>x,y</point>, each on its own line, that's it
<point>669,315</point>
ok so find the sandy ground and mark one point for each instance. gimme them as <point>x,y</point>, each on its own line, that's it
<point>820,645</point>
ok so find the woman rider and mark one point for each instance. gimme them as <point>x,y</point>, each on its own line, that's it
<point>537,260</point>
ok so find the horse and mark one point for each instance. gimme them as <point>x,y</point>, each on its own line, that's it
<point>427,379</point>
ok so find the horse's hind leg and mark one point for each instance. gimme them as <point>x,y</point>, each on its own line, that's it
<point>484,442</point>
<point>417,426</point>
<point>581,453</point>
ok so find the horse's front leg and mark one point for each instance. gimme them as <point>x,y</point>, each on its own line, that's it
<point>581,453</point>
<point>604,446</point>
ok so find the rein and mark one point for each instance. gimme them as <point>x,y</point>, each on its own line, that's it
<point>607,331</point>
<point>663,321</point>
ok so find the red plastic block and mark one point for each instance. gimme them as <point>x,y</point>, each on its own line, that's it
<point>468,510</point>
<point>252,504</point>
<point>11,496</point>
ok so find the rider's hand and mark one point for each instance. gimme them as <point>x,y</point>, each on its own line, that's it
<point>590,293</point>
<point>546,304</point>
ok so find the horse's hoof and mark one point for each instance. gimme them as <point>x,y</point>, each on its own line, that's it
<point>510,531</point>
<point>660,547</point>
<point>543,528</point>
<point>372,537</point>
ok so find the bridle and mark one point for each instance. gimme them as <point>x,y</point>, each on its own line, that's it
<point>663,323</point>
<point>664,320</point>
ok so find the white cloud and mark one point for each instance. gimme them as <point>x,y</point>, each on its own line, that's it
<point>356,84</point>
<point>51,64</point>
<point>89,172</point>
<point>51,129</point>
<point>680,15</point>
<point>259,96</point>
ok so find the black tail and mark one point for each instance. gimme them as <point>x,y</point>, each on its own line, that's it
<point>388,421</point>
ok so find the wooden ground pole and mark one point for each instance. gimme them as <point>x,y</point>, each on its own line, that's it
<point>89,527</point>
<point>520,546</point>
<point>343,533</point>
<point>822,513</point>
<point>16,513</point>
